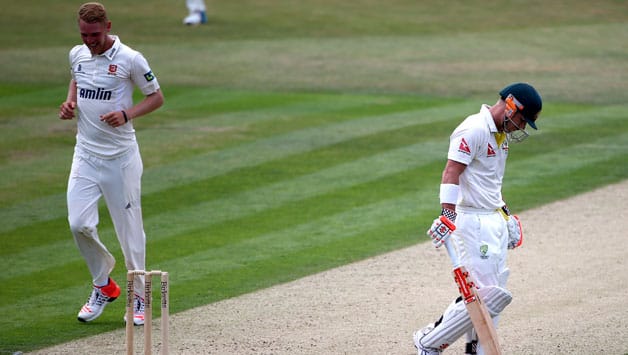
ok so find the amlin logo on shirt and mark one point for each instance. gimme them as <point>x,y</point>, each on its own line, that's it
<point>98,94</point>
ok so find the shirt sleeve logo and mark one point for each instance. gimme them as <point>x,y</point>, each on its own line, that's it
<point>464,147</point>
<point>490,152</point>
<point>149,76</point>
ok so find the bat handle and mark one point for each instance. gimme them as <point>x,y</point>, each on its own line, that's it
<point>455,260</point>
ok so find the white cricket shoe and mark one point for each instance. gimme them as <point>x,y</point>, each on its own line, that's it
<point>195,18</point>
<point>417,341</point>
<point>138,311</point>
<point>97,301</point>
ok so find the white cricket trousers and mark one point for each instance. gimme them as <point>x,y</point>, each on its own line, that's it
<point>481,239</point>
<point>118,180</point>
<point>195,5</point>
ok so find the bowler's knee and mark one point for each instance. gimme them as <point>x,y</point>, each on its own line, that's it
<point>82,230</point>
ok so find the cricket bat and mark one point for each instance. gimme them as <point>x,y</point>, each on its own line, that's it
<point>482,321</point>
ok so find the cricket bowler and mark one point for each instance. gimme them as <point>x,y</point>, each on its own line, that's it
<point>107,162</point>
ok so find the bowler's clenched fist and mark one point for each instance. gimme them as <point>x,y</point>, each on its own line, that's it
<point>66,111</point>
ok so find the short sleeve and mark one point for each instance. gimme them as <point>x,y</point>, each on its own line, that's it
<point>462,146</point>
<point>143,76</point>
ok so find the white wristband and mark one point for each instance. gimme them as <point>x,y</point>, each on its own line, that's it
<point>449,193</point>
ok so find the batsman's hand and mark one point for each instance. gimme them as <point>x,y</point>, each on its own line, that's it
<point>515,232</point>
<point>441,230</point>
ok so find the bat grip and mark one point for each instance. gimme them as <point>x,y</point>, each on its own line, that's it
<point>455,260</point>
<point>460,275</point>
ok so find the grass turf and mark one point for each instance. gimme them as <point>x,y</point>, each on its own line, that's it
<point>295,136</point>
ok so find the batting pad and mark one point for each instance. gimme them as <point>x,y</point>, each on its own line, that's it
<point>456,321</point>
<point>495,299</point>
<point>454,324</point>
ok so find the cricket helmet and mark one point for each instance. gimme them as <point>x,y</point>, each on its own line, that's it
<point>529,100</point>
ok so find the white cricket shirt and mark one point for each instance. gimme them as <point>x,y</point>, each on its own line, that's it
<point>473,143</point>
<point>104,83</point>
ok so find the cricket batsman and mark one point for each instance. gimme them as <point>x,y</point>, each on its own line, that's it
<point>472,202</point>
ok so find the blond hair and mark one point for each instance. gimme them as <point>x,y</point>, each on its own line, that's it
<point>93,12</point>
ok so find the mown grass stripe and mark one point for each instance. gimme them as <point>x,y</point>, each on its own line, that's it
<point>188,142</point>
<point>337,177</point>
<point>309,104</point>
<point>260,151</point>
<point>285,267</point>
<point>568,158</point>
<point>313,233</point>
<point>294,213</point>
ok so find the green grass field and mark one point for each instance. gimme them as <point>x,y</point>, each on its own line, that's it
<point>295,137</point>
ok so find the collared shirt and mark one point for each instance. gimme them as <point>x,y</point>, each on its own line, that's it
<point>474,144</point>
<point>105,83</point>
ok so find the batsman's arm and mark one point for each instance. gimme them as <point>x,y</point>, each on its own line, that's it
<point>449,184</point>
<point>443,226</point>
